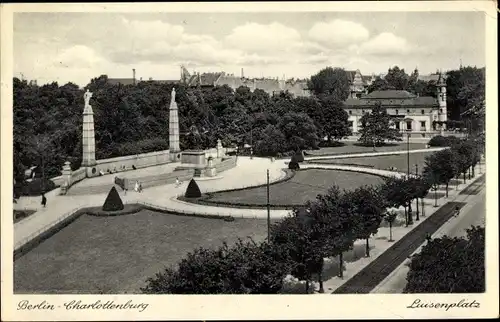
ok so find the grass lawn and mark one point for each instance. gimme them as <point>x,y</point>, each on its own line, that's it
<point>354,147</point>
<point>117,254</point>
<point>383,162</point>
<point>304,186</point>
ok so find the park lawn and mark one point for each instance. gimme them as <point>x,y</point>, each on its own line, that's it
<point>117,254</point>
<point>399,161</point>
<point>303,187</point>
<point>354,147</point>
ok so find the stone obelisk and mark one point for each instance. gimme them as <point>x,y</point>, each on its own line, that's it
<point>173,129</point>
<point>88,142</point>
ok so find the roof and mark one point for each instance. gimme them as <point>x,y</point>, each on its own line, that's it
<point>389,94</point>
<point>391,98</point>
<point>123,81</point>
<point>428,78</point>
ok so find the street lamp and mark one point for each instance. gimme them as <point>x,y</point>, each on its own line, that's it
<point>408,130</point>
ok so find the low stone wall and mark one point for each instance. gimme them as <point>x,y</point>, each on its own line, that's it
<point>77,175</point>
<point>157,180</point>
<point>138,161</point>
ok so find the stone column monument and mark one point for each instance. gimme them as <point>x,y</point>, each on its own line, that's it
<point>88,142</point>
<point>173,129</point>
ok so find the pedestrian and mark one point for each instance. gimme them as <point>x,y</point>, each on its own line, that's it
<point>44,200</point>
<point>177,183</point>
<point>136,187</point>
<point>457,211</point>
<point>140,187</point>
<point>428,237</point>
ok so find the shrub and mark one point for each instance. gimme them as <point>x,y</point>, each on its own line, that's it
<point>113,201</point>
<point>293,164</point>
<point>438,140</point>
<point>34,188</point>
<point>453,140</point>
<point>193,191</point>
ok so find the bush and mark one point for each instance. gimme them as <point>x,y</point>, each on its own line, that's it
<point>438,140</point>
<point>453,140</point>
<point>34,188</point>
<point>293,165</point>
<point>113,201</point>
<point>192,191</point>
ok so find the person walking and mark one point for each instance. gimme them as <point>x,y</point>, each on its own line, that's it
<point>44,200</point>
<point>140,187</point>
<point>136,186</point>
<point>177,183</point>
<point>457,211</point>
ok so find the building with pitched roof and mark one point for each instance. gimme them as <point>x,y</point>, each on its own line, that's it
<point>413,113</point>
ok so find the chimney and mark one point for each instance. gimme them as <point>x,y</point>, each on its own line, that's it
<point>133,75</point>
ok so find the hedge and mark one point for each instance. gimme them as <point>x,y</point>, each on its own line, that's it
<point>34,187</point>
<point>113,201</point>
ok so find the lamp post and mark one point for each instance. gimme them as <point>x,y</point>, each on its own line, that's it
<point>268,211</point>
<point>408,129</point>
<point>251,143</point>
<point>416,174</point>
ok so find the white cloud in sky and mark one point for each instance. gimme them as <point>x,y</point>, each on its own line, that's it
<point>79,51</point>
<point>338,33</point>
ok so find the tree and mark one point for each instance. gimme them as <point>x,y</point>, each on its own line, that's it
<point>341,223</point>
<point>422,189</point>
<point>464,156</point>
<point>399,192</point>
<point>379,84</point>
<point>113,201</point>
<point>449,265</point>
<point>302,238</point>
<point>442,165</point>
<point>330,82</point>
<point>244,268</point>
<point>334,119</point>
<point>390,217</point>
<point>376,127</point>
<point>271,143</point>
<point>369,210</point>
<point>465,90</point>
<point>299,131</point>
<point>397,78</point>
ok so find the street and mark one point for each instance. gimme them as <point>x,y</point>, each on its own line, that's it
<point>473,213</point>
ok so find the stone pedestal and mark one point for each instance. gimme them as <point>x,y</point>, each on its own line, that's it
<point>210,170</point>
<point>88,140</point>
<point>173,129</point>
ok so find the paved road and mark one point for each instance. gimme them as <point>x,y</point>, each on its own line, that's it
<point>474,213</point>
<point>373,274</point>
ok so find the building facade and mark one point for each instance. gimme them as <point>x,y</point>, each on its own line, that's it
<point>412,113</point>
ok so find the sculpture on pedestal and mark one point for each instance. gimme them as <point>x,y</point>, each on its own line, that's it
<point>88,141</point>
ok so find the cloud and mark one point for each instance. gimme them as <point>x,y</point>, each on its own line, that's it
<point>385,44</point>
<point>338,33</point>
<point>260,38</point>
<point>78,56</point>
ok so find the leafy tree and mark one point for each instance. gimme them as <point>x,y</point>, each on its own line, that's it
<point>465,90</point>
<point>442,166</point>
<point>342,224</point>
<point>271,143</point>
<point>464,156</point>
<point>369,210</point>
<point>397,78</point>
<point>399,192</point>
<point>244,268</point>
<point>302,238</point>
<point>299,131</point>
<point>376,127</point>
<point>330,82</point>
<point>379,84</point>
<point>449,265</point>
<point>334,119</point>
<point>113,201</point>
<point>422,189</point>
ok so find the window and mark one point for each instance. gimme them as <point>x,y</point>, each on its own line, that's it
<point>423,112</point>
<point>408,111</point>
<point>397,112</point>
<point>408,125</point>
<point>358,95</point>
<point>422,125</point>
<point>440,111</point>
<point>398,126</point>
<point>350,112</point>
<point>351,124</point>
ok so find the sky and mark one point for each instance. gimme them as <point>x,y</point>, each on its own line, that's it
<point>77,47</point>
